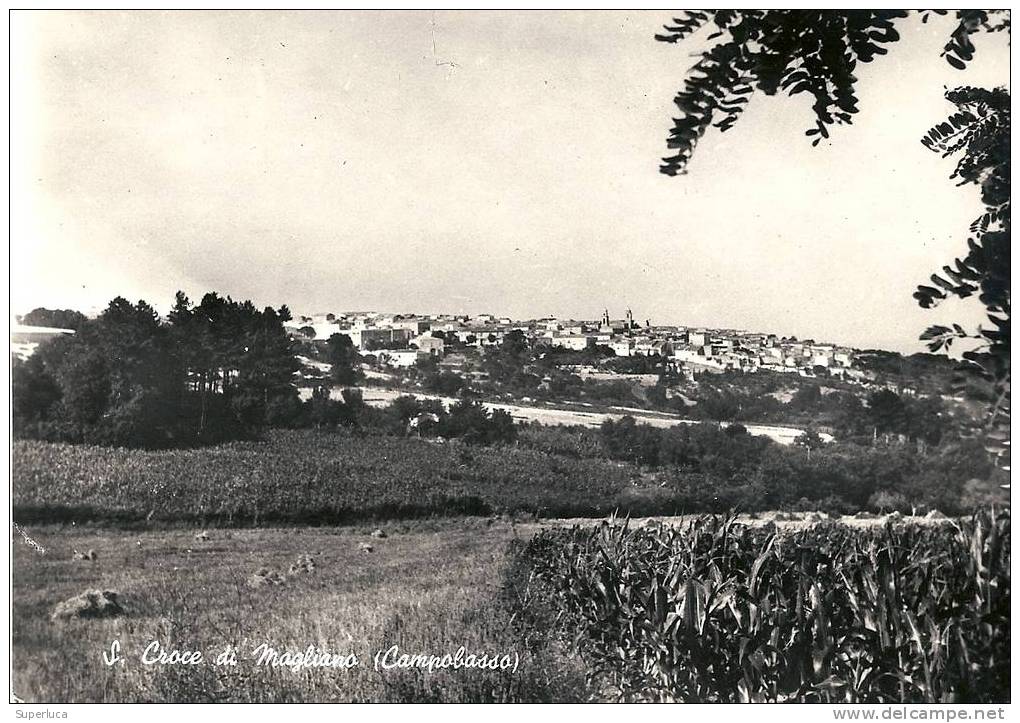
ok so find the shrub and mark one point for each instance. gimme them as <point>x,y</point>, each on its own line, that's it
<point>470,421</point>
<point>447,383</point>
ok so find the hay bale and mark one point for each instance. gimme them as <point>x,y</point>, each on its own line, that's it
<point>304,563</point>
<point>378,534</point>
<point>365,547</point>
<point>88,605</point>
<point>264,577</point>
<point>89,556</point>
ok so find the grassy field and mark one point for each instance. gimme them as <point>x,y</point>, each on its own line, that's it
<point>428,587</point>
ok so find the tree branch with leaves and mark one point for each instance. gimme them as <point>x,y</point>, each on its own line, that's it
<point>769,52</point>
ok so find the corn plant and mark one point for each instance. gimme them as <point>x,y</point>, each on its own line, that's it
<point>718,611</point>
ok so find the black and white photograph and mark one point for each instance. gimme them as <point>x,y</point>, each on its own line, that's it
<point>403,356</point>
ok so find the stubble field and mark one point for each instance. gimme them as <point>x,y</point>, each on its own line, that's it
<point>428,588</point>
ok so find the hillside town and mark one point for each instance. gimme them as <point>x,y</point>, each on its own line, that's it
<point>401,340</point>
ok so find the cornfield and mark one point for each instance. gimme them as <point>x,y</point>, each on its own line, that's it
<point>305,477</point>
<point>717,611</point>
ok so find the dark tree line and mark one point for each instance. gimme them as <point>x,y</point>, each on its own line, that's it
<point>465,419</point>
<point>884,413</point>
<point>408,415</point>
<point>717,469</point>
<point>54,318</point>
<point>219,370</point>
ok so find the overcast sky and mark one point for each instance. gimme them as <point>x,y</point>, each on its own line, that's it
<point>468,162</point>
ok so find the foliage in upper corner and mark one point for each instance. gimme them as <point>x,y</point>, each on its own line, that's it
<point>796,51</point>
<point>979,131</point>
<point>817,52</point>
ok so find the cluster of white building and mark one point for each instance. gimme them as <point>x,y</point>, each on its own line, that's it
<point>404,340</point>
<point>398,340</point>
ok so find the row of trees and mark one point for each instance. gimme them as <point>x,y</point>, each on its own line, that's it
<point>55,318</point>
<point>219,370</point>
<point>719,469</point>
<point>465,419</point>
<point>850,416</point>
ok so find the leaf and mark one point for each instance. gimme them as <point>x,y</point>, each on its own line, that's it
<point>955,62</point>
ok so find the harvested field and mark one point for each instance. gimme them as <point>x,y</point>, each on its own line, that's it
<point>428,587</point>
